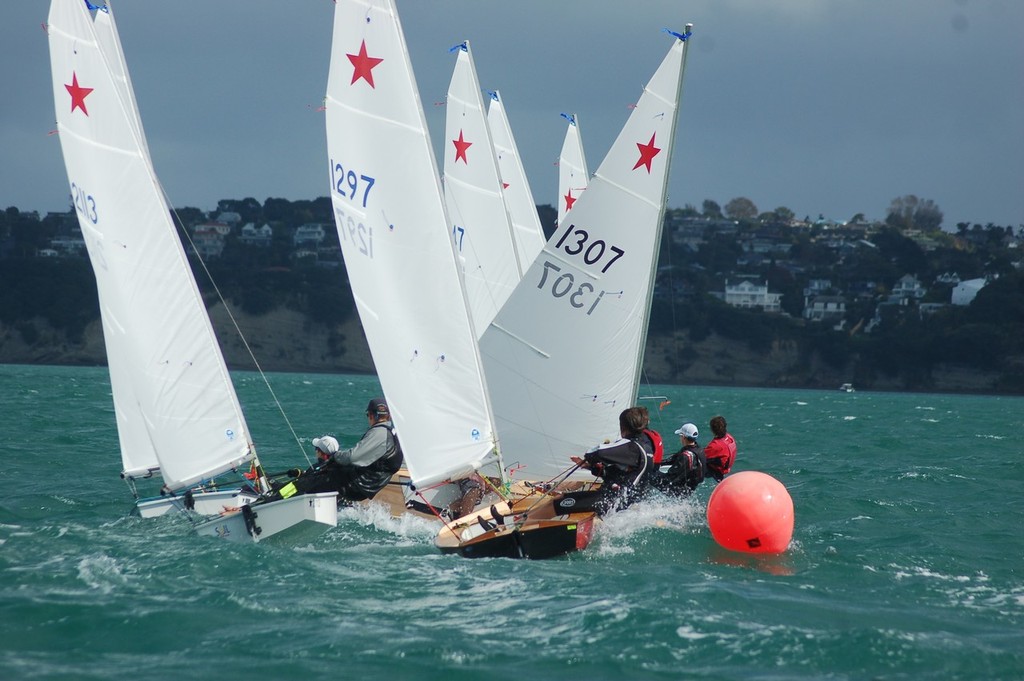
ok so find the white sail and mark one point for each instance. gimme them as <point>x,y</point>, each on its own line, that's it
<point>522,210</point>
<point>480,224</point>
<point>572,168</point>
<point>563,355</point>
<point>174,399</point>
<point>395,239</point>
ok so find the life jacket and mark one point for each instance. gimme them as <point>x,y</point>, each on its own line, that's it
<point>366,481</point>
<point>659,446</point>
<point>721,454</point>
<point>682,473</point>
<point>690,467</point>
<point>393,457</point>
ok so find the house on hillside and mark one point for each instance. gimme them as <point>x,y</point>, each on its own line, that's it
<point>257,236</point>
<point>964,292</point>
<point>309,235</point>
<point>825,308</point>
<point>750,295</point>
<point>908,287</point>
<point>208,241</point>
<point>229,217</point>
<point>221,228</point>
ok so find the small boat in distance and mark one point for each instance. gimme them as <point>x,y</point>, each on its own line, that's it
<point>846,388</point>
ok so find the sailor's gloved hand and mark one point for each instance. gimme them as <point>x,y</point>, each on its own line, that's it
<point>294,472</point>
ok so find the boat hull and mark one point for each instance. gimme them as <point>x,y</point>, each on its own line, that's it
<point>203,503</point>
<point>294,520</point>
<point>397,497</point>
<point>504,531</point>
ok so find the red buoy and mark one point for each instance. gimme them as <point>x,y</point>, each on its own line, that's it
<point>751,512</point>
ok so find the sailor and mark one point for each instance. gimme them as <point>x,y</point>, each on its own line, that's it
<point>357,473</point>
<point>368,466</point>
<point>721,451</point>
<point>684,470</point>
<point>621,465</point>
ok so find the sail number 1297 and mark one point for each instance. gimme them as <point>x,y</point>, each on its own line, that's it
<point>350,184</point>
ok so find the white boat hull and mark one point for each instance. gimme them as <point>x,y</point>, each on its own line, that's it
<point>297,519</point>
<point>206,503</point>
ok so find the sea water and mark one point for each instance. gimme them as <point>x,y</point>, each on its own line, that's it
<point>906,560</point>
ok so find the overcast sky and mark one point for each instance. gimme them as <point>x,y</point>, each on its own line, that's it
<point>831,107</point>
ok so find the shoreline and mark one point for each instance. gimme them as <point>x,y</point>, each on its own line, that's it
<point>285,341</point>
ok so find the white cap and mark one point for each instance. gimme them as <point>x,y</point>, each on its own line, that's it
<point>326,444</point>
<point>688,430</point>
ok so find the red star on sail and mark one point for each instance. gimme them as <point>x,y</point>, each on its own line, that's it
<point>363,64</point>
<point>647,153</point>
<point>78,94</point>
<point>569,200</point>
<point>461,146</point>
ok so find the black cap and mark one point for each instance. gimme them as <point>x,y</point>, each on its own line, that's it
<point>378,407</point>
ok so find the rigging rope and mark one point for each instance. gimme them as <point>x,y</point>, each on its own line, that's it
<point>238,330</point>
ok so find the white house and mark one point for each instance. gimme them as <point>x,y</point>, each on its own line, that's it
<point>257,236</point>
<point>908,286</point>
<point>208,241</point>
<point>825,308</point>
<point>749,294</point>
<point>229,217</point>
<point>964,292</point>
<point>221,228</point>
<point>310,234</point>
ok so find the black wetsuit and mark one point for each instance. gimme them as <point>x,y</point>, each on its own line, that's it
<point>622,467</point>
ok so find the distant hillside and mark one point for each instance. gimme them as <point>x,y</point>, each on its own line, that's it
<point>286,340</point>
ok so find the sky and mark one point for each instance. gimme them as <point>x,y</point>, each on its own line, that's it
<point>825,107</point>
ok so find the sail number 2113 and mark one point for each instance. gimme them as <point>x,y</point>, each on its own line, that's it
<point>84,203</point>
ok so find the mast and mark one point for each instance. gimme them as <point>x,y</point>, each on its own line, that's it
<point>683,38</point>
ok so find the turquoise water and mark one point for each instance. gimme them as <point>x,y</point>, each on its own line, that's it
<point>906,560</point>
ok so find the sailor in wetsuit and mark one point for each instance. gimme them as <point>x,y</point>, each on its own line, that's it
<point>621,465</point>
<point>682,472</point>
<point>357,473</point>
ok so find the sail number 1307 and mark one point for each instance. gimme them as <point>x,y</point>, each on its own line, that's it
<point>593,251</point>
<point>580,295</point>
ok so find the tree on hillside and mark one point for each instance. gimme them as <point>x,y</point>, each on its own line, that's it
<point>719,253</point>
<point>741,208</point>
<point>903,252</point>
<point>784,215</point>
<point>711,209</point>
<point>187,216</point>
<point>249,208</point>
<point>548,219</point>
<point>910,212</point>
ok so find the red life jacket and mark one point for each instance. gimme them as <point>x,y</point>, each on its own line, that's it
<point>659,447</point>
<point>721,454</point>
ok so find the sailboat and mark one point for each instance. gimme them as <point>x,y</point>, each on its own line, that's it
<point>572,168</point>
<point>563,356</point>
<point>407,278</point>
<point>522,209</point>
<point>481,226</point>
<point>176,409</point>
